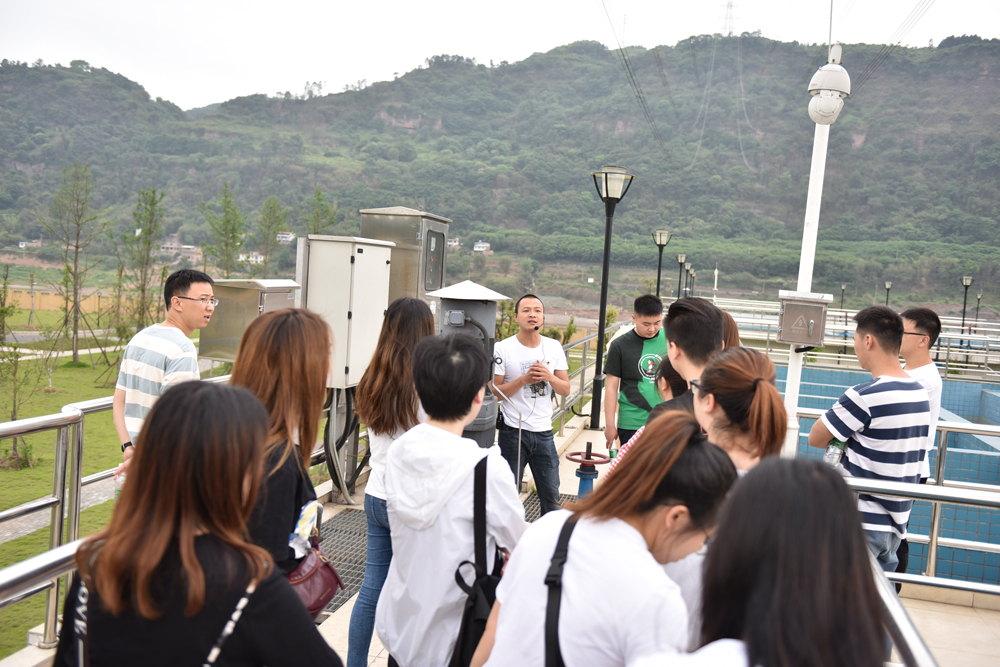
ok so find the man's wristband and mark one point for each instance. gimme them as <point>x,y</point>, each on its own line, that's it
<point>126,446</point>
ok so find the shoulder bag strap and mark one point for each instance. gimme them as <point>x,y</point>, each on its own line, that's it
<point>80,626</point>
<point>479,516</point>
<point>553,656</point>
<point>213,655</point>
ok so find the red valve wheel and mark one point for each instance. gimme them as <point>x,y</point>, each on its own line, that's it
<point>595,458</point>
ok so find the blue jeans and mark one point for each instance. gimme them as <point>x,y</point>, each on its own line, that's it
<point>359,636</point>
<point>538,450</point>
<point>884,547</point>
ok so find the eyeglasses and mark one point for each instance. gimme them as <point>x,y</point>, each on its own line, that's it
<point>915,333</point>
<point>204,302</point>
<point>695,384</point>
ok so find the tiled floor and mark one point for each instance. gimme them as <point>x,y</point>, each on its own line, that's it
<point>957,636</point>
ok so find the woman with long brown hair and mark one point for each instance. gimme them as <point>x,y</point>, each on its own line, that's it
<point>387,403</point>
<point>659,506</point>
<point>284,359</point>
<point>172,579</point>
<point>788,580</point>
<point>738,405</point>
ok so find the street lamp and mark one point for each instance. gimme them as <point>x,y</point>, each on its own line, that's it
<point>979,297</point>
<point>843,288</point>
<point>661,237</point>
<point>694,274</point>
<point>687,279</point>
<point>680,272</point>
<point>612,183</point>
<point>888,286</point>
<point>966,283</point>
<point>829,86</point>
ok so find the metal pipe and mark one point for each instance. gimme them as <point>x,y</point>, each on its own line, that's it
<point>904,634</point>
<point>935,526</point>
<point>21,577</point>
<point>73,477</point>
<point>520,419</point>
<point>49,639</point>
<point>27,508</point>
<point>595,402</point>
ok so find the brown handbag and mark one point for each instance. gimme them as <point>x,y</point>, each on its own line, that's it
<point>315,579</point>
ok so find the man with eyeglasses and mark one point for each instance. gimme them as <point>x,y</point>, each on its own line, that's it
<point>161,354</point>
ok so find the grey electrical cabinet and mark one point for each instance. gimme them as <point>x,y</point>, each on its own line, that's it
<point>802,318</point>
<point>345,280</point>
<point>418,258</point>
<point>240,301</point>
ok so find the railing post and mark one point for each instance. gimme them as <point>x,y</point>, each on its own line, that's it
<point>562,415</point>
<point>942,456</point>
<point>49,638</point>
<point>768,342</point>
<point>74,478</point>
<point>583,365</point>
<point>947,358</point>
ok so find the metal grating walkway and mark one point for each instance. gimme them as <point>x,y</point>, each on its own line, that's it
<point>344,539</point>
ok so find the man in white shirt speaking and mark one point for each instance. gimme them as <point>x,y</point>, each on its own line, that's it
<point>530,368</point>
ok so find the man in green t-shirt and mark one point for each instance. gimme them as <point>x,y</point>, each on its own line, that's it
<point>633,359</point>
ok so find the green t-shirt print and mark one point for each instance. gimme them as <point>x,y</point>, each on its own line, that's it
<point>635,360</point>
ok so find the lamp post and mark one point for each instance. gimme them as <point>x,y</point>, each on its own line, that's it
<point>966,283</point>
<point>979,297</point>
<point>715,288</point>
<point>694,274</point>
<point>680,272</point>
<point>661,237</point>
<point>828,87</point>
<point>888,286</point>
<point>687,279</point>
<point>843,288</point>
<point>612,183</point>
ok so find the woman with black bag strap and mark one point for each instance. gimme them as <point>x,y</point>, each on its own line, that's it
<point>172,581</point>
<point>430,489</point>
<point>586,587</point>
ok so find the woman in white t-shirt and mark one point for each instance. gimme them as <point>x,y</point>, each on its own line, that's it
<point>738,405</point>
<point>387,403</point>
<point>616,602</point>
<point>788,580</point>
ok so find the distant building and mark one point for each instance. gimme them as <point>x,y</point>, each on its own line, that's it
<point>192,253</point>
<point>37,243</point>
<point>284,238</point>
<point>454,242</point>
<point>483,247</point>
<point>171,245</point>
<point>251,258</point>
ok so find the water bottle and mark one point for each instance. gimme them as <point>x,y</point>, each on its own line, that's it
<point>834,451</point>
<point>119,484</point>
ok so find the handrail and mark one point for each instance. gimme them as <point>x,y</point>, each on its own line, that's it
<point>45,567</point>
<point>904,634</point>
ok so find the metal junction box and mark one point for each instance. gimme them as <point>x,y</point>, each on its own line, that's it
<point>345,280</point>
<point>240,301</point>
<point>802,318</point>
<point>418,257</point>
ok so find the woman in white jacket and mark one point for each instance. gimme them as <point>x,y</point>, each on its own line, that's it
<point>429,494</point>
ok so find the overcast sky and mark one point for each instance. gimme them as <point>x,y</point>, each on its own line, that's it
<point>196,52</point>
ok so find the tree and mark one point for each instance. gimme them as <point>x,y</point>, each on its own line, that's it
<point>505,264</point>
<point>75,225</point>
<point>228,231</point>
<point>321,216</point>
<point>479,264</point>
<point>138,248</point>
<point>21,371</point>
<point>270,221</point>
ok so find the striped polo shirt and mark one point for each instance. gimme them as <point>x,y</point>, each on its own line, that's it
<point>885,424</point>
<point>155,358</point>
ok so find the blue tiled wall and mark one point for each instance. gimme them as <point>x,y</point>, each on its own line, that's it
<point>970,459</point>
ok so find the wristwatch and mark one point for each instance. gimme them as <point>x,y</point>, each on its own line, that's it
<point>126,446</point>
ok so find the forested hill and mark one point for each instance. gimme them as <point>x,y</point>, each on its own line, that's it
<point>506,150</point>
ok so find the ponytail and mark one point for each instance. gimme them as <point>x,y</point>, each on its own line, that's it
<point>742,382</point>
<point>671,463</point>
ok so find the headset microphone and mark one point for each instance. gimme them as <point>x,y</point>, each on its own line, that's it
<point>537,328</point>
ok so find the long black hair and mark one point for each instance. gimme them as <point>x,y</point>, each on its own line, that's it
<point>788,571</point>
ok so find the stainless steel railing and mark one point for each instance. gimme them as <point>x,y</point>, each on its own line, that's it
<point>567,403</point>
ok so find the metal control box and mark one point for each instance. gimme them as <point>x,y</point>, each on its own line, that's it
<point>345,280</point>
<point>418,258</point>
<point>240,301</point>
<point>802,318</point>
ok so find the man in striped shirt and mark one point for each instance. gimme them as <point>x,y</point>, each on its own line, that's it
<point>885,424</point>
<point>161,354</point>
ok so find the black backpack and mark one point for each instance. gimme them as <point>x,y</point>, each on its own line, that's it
<point>483,591</point>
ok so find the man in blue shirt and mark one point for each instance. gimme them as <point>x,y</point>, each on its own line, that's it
<point>885,424</point>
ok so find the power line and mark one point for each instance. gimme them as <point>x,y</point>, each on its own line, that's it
<point>629,70</point>
<point>897,37</point>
